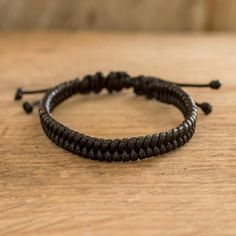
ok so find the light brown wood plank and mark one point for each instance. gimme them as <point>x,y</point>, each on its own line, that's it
<point>45,190</point>
<point>103,14</point>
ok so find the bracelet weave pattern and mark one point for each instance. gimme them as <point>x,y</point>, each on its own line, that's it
<point>126,149</point>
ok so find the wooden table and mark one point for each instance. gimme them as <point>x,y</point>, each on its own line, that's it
<point>45,190</point>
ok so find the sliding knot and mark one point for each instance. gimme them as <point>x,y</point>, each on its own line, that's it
<point>116,81</point>
<point>140,83</point>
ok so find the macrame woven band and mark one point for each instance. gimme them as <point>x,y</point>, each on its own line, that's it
<point>126,149</point>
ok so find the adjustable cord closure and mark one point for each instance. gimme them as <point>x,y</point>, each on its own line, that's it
<point>125,149</point>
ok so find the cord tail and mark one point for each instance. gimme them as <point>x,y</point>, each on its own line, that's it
<point>214,84</point>
<point>20,92</point>
<point>206,107</point>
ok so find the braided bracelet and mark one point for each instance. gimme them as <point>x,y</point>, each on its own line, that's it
<point>126,149</point>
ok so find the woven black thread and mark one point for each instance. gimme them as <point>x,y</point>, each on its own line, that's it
<point>130,149</point>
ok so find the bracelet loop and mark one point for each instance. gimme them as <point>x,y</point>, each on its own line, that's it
<point>126,149</point>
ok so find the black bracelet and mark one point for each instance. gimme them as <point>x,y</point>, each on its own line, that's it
<point>125,149</point>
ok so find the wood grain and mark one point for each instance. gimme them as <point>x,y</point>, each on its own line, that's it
<point>148,15</point>
<point>45,190</point>
<point>103,14</point>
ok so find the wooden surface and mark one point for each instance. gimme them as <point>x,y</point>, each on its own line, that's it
<point>45,190</point>
<point>104,14</point>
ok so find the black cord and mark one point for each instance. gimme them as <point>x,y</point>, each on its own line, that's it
<point>125,149</point>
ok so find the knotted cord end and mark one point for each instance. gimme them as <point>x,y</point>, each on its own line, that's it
<point>206,107</point>
<point>215,84</point>
<point>18,94</point>
<point>28,108</point>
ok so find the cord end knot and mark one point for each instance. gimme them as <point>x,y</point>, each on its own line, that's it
<point>215,84</point>
<point>206,107</point>
<point>19,94</point>
<point>28,108</point>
